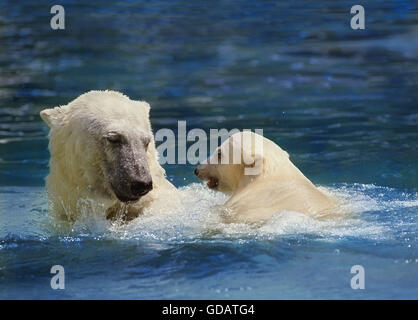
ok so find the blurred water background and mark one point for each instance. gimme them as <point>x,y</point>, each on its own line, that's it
<point>342,102</point>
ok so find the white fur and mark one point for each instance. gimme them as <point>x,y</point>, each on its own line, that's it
<point>76,164</point>
<point>277,185</point>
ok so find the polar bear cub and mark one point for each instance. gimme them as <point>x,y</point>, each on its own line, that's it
<point>103,152</point>
<point>262,180</point>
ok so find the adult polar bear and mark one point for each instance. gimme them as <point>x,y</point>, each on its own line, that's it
<point>262,180</point>
<point>102,150</point>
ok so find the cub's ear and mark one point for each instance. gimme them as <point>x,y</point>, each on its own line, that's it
<point>255,166</point>
<point>252,154</point>
<point>52,117</point>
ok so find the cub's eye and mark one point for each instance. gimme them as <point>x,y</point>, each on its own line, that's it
<point>113,137</point>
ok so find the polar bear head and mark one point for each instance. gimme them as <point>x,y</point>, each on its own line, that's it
<point>102,141</point>
<point>243,157</point>
<point>240,155</point>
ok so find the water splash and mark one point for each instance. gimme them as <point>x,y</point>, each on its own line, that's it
<point>199,218</point>
<point>378,213</point>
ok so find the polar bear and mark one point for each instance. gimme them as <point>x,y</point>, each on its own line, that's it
<point>103,154</point>
<point>262,180</point>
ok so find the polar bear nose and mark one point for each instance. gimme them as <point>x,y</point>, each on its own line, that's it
<point>141,188</point>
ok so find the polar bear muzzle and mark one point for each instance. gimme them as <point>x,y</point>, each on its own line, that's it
<point>128,172</point>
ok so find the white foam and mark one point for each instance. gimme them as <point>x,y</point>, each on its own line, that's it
<point>377,213</point>
<point>199,217</point>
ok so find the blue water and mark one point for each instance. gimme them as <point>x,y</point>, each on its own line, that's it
<point>343,103</point>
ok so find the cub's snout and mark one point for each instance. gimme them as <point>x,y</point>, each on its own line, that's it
<point>213,182</point>
<point>202,174</point>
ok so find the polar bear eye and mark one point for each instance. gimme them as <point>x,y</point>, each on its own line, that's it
<point>113,137</point>
<point>146,141</point>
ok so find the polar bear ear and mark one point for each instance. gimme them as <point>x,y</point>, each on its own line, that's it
<point>252,154</point>
<point>52,117</point>
<point>144,105</point>
<point>255,167</point>
<point>147,106</point>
